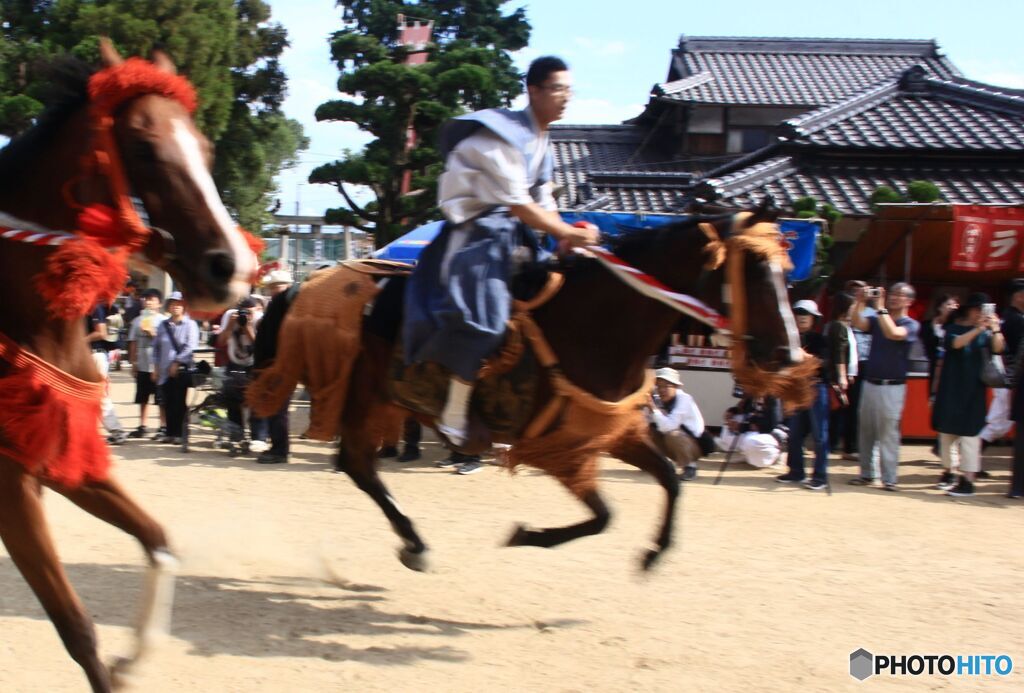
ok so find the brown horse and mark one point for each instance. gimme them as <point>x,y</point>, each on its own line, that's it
<point>601,332</point>
<point>154,153</point>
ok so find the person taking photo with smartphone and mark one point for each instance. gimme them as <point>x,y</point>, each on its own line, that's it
<point>884,378</point>
<point>959,411</point>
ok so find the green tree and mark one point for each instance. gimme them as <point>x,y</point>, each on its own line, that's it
<point>923,191</point>
<point>469,68</point>
<point>228,49</point>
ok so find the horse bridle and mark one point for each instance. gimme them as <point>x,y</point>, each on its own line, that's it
<point>166,247</point>
<point>730,248</point>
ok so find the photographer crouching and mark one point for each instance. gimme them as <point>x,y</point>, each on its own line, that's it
<point>676,424</point>
<point>238,337</point>
<point>754,430</point>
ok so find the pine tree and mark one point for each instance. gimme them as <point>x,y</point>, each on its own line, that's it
<point>469,67</point>
<point>228,49</point>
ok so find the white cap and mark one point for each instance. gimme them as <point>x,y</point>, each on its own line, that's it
<point>670,375</point>
<point>175,296</point>
<point>278,277</point>
<point>808,306</point>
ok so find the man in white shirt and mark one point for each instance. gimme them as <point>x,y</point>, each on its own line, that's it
<point>495,193</point>
<point>676,422</point>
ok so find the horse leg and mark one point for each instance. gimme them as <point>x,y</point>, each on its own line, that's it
<point>642,454</point>
<point>583,484</point>
<point>356,458</point>
<point>25,534</point>
<point>108,501</point>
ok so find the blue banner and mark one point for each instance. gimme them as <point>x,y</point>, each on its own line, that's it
<point>801,236</point>
<point>802,241</point>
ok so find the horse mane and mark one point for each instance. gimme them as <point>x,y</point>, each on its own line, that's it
<point>67,92</point>
<point>642,240</point>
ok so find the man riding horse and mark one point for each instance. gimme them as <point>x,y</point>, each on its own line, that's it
<point>495,193</point>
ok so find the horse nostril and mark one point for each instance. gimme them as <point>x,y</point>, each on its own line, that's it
<point>220,266</point>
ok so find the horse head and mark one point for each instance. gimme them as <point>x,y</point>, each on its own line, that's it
<point>161,162</point>
<point>749,260</point>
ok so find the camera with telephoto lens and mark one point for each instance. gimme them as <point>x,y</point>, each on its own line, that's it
<point>242,317</point>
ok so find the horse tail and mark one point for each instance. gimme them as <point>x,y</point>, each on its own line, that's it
<point>318,338</point>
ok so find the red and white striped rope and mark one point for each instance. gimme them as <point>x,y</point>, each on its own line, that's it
<point>19,230</point>
<point>37,237</point>
<point>652,288</point>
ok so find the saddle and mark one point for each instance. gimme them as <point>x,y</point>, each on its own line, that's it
<point>321,339</point>
<point>504,396</point>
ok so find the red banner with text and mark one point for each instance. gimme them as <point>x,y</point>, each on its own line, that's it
<point>987,238</point>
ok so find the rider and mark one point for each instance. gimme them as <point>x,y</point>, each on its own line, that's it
<point>495,191</point>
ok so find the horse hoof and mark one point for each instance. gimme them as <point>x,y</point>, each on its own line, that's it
<point>120,670</point>
<point>520,537</point>
<point>650,558</point>
<point>412,560</point>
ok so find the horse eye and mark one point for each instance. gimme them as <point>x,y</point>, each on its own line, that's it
<point>144,151</point>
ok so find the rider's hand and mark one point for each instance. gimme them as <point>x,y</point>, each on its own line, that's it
<point>578,235</point>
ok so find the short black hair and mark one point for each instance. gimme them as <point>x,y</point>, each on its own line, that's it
<point>155,293</point>
<point>541,69</point>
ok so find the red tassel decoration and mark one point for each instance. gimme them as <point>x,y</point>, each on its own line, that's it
<point>79,275</point>
<point>99,222</point>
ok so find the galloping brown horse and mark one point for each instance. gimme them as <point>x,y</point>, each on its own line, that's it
<point>121,140</point>
<point>601,333</point>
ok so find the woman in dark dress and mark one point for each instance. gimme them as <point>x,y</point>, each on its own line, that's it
<point>959,411</point>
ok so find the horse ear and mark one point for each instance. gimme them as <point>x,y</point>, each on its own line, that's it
<point>108,54</point>
<point>163,61</point>
<point>766,211</point>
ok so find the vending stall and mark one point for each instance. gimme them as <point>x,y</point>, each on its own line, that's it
<point>937,248</point>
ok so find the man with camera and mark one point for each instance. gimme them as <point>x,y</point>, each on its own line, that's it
<point>677,426</point>
<point>884,378</point>
<point>238,337</point>
<point>753,429</point>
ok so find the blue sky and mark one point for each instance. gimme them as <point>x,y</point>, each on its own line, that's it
<point>619,50</point>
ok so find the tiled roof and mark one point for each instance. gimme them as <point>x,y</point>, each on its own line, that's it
<point>592,158</point>
<point>848,184</point>
<point>918,112</point>
<point>789,71</point>
<point>580,149</point>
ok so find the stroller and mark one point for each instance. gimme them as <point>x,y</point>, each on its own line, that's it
<point>217,390</point>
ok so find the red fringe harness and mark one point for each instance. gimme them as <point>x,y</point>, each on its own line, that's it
<point>49,419</point>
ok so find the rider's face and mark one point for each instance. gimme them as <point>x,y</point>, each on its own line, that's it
<point>550,99</point>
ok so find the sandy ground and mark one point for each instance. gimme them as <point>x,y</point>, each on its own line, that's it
<point>290,582</point>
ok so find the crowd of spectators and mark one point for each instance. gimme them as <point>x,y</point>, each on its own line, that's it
<point>859,397</point>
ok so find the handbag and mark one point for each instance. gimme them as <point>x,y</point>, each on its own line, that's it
<point>993,372</point>
<point>188,372</point>
<point>837,399</point>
